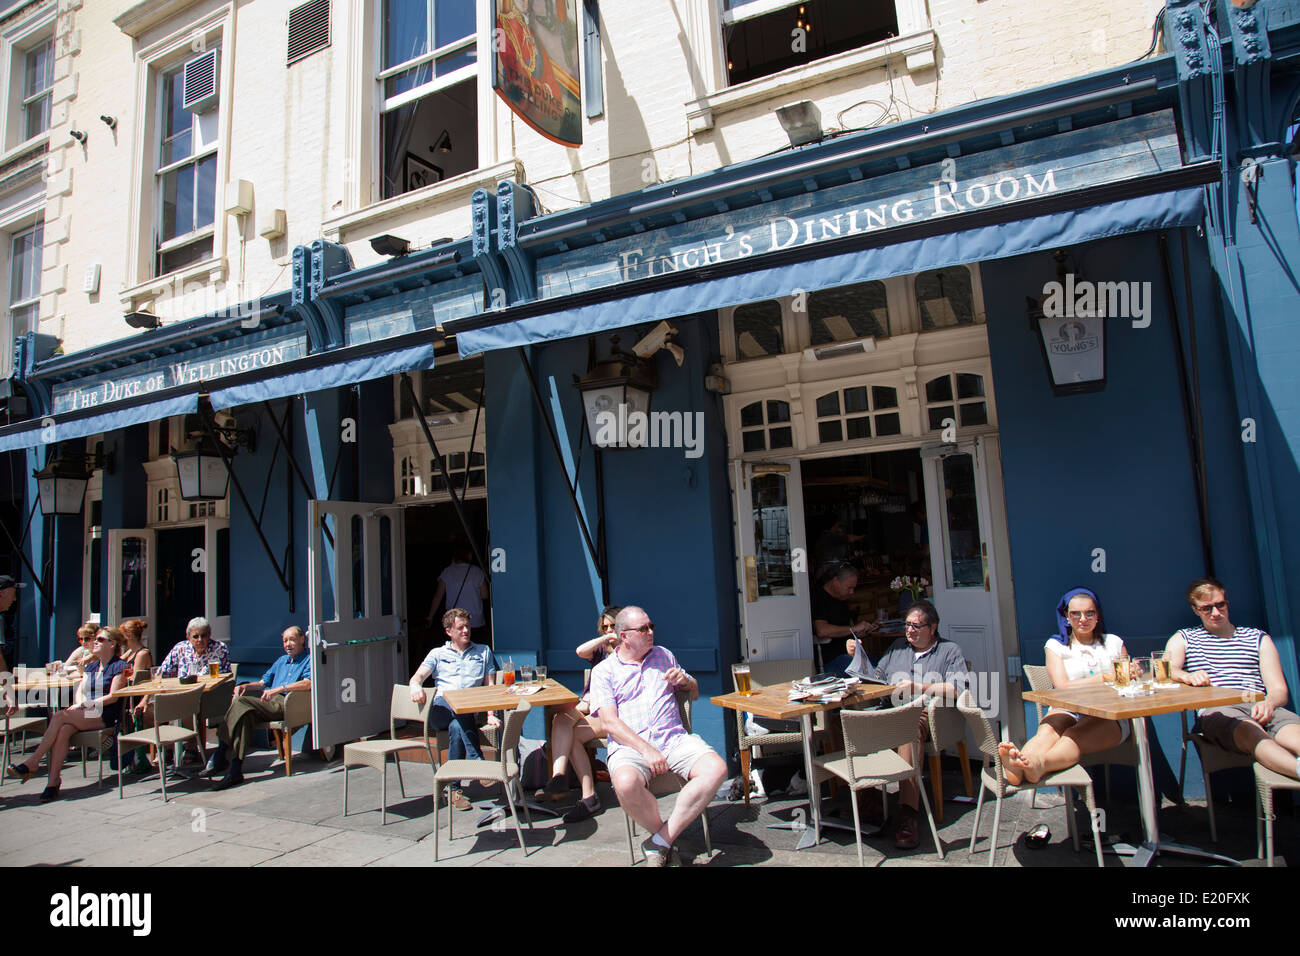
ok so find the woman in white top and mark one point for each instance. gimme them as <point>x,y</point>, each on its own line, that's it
<point>1076,655</point>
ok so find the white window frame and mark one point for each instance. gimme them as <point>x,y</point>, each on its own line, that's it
<point>94,536</point>
<point>144,219</point>
<point>13,221</point>
<point>15,43</point>
<point>11,304</point>
<point>194,159</point>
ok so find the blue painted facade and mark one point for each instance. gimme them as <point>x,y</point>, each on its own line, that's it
<point>1109,470</point>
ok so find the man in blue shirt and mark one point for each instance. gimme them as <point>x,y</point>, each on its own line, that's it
<point>261,700</point>
<point>458,664</point>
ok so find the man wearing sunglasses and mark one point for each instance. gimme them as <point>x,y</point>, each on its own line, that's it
<point>1225,655</point>
<point>633,690</point>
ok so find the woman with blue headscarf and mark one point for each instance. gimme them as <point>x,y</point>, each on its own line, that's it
<point>1077,654</point>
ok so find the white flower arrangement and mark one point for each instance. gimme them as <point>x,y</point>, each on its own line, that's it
<point>906,582</point>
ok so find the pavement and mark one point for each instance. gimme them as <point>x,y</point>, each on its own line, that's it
<point>273,820</point>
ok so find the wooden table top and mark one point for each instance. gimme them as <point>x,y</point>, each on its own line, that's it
<point>44,681</point>
<point>1101,700</point>
<point>171,685</point>
<point>477,700</point>
<point>773,701</point>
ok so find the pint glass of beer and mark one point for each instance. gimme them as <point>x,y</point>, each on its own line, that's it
<point>213,668</point>
<point>1122,672</point>
<point>1160,668</point>
<point>740,674</point>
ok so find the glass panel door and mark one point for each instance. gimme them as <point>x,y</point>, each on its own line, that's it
<point>131,585</point>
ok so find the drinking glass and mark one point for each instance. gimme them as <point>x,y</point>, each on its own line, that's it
<point>1122,672</point>
<point>213,668</point>
<point>499,677</point>
<point>526,673</point>
<point>1160,670</point>
<point>740,674</point>
<point>540,671</point>
<point>1108,673</point>
<point>1140,673</point>
<point>509,673</point>
<point>155,676</point>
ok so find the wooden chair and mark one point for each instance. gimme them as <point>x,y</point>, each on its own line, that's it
<point>947,727</point>
<point>993,779</point>
<point>166,708</point>
<point>375,753</point>
<point>869,758</point>
<point>667,783</point>
<point>1266,781</point>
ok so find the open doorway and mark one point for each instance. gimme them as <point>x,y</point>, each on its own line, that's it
<point>432,532</point>
<point>869,510</point>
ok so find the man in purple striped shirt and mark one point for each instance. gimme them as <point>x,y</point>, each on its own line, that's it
<point>634,692</point>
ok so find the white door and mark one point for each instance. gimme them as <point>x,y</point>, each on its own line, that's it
<point>773,561</point>
<point>131,578</point>
<point>962,568</point>
<point>356,561</point>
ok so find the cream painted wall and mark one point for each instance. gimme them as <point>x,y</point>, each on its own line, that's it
<point>298,134</point>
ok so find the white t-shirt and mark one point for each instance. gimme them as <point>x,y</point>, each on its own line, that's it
<point>1083,660</point>
<point>462,582</point>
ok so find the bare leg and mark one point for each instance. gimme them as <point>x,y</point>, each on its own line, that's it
<point>562,740</point>
<point>1014,763</point>
<point>636,799</point>
<point>47,741</point>
<point>706,776</point>
<point>1089,736</point>
<point>1277,754</point>
<point>581,762</point>
<point>1049,732</point>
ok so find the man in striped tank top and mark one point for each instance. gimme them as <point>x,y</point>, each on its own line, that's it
<point>1221,654</point>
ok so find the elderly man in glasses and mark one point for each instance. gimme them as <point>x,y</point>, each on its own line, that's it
<point>1225,655</point>
<point>633,691</point>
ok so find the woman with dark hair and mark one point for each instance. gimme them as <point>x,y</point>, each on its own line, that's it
<point>573,728</point>
<point>1077,654</point>
<point>95,709</point>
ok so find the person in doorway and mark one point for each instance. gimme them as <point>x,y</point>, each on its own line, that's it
<point>833,622</point>
<point>462,584</point>
<point>261,700</point>
<point>921,663</point>
<point>1078,654</point>
<point>1222,654</point>
<point>633,692</point>
<point>574,727</point>
<point>95,708</point>
<point>458,664</point>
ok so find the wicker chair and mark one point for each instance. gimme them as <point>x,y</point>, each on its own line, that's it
<point>166,708</point>
<point>1213,759</point>
<point>15,727</point>
<point>505,770</point>
<point>869,758</point>
<point>993,779</point>
<point>1124,753</point>
<point>297,713</point>
<point>1266,781</point>
<point>667,783</point>
<point>99,739</point>
<point>947,727</point>
<point>763,673</point>
<point>375,753</point>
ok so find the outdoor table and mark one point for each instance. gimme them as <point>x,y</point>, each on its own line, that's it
<point>501,697</point>
<point>1102,700</point>
<point>773,702</point>
<point>173,685</point>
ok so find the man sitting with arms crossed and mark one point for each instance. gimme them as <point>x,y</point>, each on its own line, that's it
<point>290,672</point>
<point>633,692</point>
<point>1221,654</point>
<point>458,664</point>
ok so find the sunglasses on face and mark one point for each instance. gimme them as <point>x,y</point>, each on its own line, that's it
<point>643,629</point>
<point>1081,615</point>
<point>1216,606</point>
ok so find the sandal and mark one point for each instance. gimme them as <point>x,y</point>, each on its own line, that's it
<point>50,793</point>
<point>19,772</point>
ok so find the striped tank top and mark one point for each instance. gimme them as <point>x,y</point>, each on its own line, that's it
<point>1230,661</point>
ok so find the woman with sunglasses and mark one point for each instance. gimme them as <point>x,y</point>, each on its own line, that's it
<point>84,651</point>
<point>574,727</point>
<point>1077,654</point>
<point>95,709</point>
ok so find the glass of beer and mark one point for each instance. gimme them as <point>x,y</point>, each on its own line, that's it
<point>740,674</point>
<point>213,668</point>
<point>1122,673</point>
<point>1160,670</point>
<point>155,676</point>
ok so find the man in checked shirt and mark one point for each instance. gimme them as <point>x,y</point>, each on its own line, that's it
<point>634,692</point>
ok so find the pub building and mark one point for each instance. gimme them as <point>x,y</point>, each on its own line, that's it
<point>1030,343</point>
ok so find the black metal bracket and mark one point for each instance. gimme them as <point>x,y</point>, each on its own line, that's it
<point>45,591</point>
<point>294,467</point>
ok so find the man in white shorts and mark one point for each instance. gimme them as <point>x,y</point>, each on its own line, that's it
<point>633,691</point>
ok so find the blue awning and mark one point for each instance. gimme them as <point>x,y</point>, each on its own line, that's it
<point>55,429</point>
<point>348,369</point>
<point>1156,211</point>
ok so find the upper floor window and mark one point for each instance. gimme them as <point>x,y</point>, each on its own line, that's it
<point>958,398</point>
<point>945,297</point>
<point>849,312</point>
<point>428,81</point>
<point>758,330</point>
<point>38,88</point>
<point>766,425</point>
<point>186,165</point>
<point>25,279</point>
<point>29,56</point>
<point>762,37</point>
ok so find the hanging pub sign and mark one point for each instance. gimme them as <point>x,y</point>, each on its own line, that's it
<point>535,65</point>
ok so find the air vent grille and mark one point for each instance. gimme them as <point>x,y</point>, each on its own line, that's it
<point>309,29</point>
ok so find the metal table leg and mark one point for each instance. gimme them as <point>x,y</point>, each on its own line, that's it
<point>808,836</point>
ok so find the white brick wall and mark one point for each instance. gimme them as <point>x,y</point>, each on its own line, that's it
<point>289,132</point>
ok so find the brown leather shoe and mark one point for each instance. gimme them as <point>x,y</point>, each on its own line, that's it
<point>906,837</point>
<point>458,800</point>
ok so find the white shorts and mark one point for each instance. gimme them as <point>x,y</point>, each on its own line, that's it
<point>681,757</point>
<point>1125,727</point>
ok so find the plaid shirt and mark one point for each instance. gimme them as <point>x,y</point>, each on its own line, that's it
<point>645,700</point>
<point>181,661</point>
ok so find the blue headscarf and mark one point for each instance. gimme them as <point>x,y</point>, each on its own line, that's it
<point>1063,623</point>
